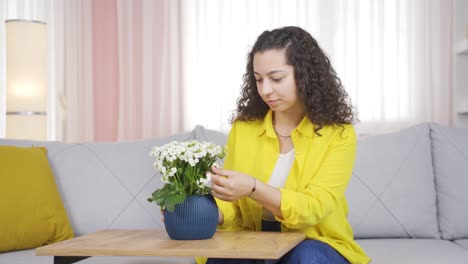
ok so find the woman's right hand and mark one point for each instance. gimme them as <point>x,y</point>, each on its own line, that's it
<point>230,185</point>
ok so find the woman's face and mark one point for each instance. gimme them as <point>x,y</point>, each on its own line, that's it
<point>275,81</point>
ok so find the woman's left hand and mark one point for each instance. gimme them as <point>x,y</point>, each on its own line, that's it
<point>230,185</point>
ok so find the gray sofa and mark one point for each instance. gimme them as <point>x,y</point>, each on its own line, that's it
<point>407,197</point>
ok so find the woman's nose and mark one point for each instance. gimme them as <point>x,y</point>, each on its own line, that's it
<point>266,88</point>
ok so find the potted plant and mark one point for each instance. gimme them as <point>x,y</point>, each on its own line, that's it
<point>190,211</point>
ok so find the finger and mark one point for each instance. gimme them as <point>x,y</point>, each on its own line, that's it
<point>162,215</point>
<point>218,180</point>
<point>223,172</point>
<point>216,195</point>
<point>221,196</point>
<point>220,190</point>
<point>223,193</point>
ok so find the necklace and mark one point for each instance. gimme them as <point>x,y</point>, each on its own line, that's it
<point>281,136</point>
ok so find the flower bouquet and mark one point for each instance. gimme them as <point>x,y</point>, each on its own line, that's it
<point>190,211</point>
<point>183,167</point>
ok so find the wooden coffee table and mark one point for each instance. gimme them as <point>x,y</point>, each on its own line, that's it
<point>224,244</point>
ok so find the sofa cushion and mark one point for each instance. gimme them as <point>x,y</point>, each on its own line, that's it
<point>25,257</point>
<point>202,134</point>
<point>462,242</point>
<point>32,211</point>
<point>450,151</point>
<point>106,185</point>
<point>391,192</point>
<point>413,251</point>
<point>29,257</point>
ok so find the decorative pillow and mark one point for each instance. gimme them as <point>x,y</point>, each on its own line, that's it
<point>392,191</point>
<point>32,213</point>
<point>214,136</point>
<point>450,151</point>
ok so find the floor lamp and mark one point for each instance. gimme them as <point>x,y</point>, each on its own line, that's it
<point>26,80</point>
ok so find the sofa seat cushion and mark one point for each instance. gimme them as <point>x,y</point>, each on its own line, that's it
<point>413,251</point>
<point>462,242</point>
<point>392,193</point>
<point>450,151</point>
<point>25,257</point>
<point>29,257</point>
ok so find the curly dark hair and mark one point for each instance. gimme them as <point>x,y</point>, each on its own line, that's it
<point>319,88</point>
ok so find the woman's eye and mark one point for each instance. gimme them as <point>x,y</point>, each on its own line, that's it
<point>259,80</point>
<point>277,80</point>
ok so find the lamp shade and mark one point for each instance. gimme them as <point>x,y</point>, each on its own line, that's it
<point>26,79</point>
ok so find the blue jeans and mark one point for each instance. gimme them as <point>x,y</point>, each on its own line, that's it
<point>307,252</point>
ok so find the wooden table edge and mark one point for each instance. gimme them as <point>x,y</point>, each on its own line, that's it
<point>50,250</point>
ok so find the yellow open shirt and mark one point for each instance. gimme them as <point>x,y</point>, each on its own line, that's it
<point>313,200</point>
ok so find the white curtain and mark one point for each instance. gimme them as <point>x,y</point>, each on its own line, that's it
<point>180,63</point>
<point>118,66</point>
<point>149,69</point>
<point>72,62</point>
<point>394,57</point>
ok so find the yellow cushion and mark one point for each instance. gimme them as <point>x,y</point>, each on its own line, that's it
<point>31,210</point>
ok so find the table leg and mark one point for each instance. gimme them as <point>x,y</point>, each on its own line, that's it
<point>67,259</point>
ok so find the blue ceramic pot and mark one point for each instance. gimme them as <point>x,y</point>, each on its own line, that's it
<point>194,219</point>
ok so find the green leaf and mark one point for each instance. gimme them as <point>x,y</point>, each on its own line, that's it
<point>172,200</point>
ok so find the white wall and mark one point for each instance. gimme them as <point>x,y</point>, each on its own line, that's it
<point>460,69</point>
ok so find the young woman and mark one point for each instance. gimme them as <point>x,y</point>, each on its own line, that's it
<point>291,151</point>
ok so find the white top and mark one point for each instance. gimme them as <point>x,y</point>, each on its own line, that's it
<point>279,176</point>
<point>282,168</point>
